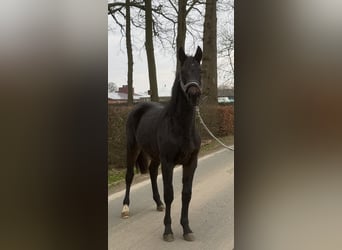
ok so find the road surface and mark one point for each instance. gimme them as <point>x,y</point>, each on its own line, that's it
<point>211,212</point>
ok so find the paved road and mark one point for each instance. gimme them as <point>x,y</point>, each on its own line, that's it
<point>211,212</point>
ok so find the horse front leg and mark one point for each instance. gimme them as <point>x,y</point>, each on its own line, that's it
<point>167,172</point>
<point>188,174</point>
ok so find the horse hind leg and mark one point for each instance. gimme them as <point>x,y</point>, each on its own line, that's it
<point>153,175</point>
<point>132,154</point>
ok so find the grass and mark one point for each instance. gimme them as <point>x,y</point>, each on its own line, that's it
<point>117,176</point>
<point>209,146</point>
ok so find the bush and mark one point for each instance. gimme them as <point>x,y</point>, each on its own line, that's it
<point>117,116</point>
<point>219,119</point>
<point>209,115</point>
<point>225,120</point>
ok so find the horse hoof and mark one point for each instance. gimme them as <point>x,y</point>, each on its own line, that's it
<point>168,237</point>
<point>124,215</point>
<point>125,212</point>
<point>160,208</point>
<point>189,237</point>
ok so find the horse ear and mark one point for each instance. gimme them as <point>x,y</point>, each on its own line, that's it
<point>198,55</point>
<point>181,55</point>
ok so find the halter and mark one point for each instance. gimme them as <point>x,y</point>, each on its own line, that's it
<point>188,84</point>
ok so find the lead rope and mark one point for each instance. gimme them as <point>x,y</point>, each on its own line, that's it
<point>206,128</point>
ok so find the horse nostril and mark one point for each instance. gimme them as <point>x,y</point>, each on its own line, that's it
<point>194,91</point>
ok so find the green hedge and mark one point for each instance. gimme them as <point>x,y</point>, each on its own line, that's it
<point>219,119</point>
<point>117,116</point>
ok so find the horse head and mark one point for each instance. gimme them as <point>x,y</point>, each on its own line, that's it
<point>190,75</point>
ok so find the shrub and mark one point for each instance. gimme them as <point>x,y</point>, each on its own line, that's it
<point>225,120</point>
<point>117,116</point>
<point>219,119</point>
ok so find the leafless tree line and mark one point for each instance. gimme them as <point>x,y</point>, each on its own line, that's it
<point>170,23</point>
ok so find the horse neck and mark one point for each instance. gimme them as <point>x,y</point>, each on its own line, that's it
<point>180,109</point>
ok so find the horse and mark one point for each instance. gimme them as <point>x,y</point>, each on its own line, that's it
<point>167,135</point>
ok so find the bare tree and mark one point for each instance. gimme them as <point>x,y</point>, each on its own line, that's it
<point>146,7</point>
<point>129,54</point>
<point>181,25</point>
<point>226,44</point>
<point>170,22</point>
<point>117,9</point>
<point>112,87</point>
<point>209,63</point>
<point>150,51</point>
<point>184,8</point>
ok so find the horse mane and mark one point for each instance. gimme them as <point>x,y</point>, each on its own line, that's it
<point>176,96</point>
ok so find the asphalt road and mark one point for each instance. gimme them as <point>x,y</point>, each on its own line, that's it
<point>211,212</point>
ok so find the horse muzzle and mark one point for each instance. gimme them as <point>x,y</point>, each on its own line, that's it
<point>192,90</point>
<point>194,93</point>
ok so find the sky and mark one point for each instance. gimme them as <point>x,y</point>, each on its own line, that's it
<point>165,61</point>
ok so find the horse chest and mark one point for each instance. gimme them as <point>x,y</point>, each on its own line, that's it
<point>185,152</point>
<point>178,150</point>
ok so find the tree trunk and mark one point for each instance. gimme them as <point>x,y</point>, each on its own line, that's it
<point>209,63</point>
<point>129,54</point>
<point>181,27</point>
<point>150,52</point>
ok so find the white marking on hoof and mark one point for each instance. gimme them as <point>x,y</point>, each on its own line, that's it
<point>125,212</point>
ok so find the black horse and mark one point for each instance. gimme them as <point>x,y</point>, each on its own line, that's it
<point>167,135</point>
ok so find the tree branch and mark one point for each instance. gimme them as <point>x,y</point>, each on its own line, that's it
<point>173,6</point>
<point>192,6</point>
<point>132,4</point>
<point>118,23</point>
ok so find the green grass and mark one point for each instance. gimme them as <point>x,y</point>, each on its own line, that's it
<point>116,176</point>
<point>209,146</point>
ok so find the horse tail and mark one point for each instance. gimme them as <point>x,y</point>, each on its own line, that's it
<point>141,163</point>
